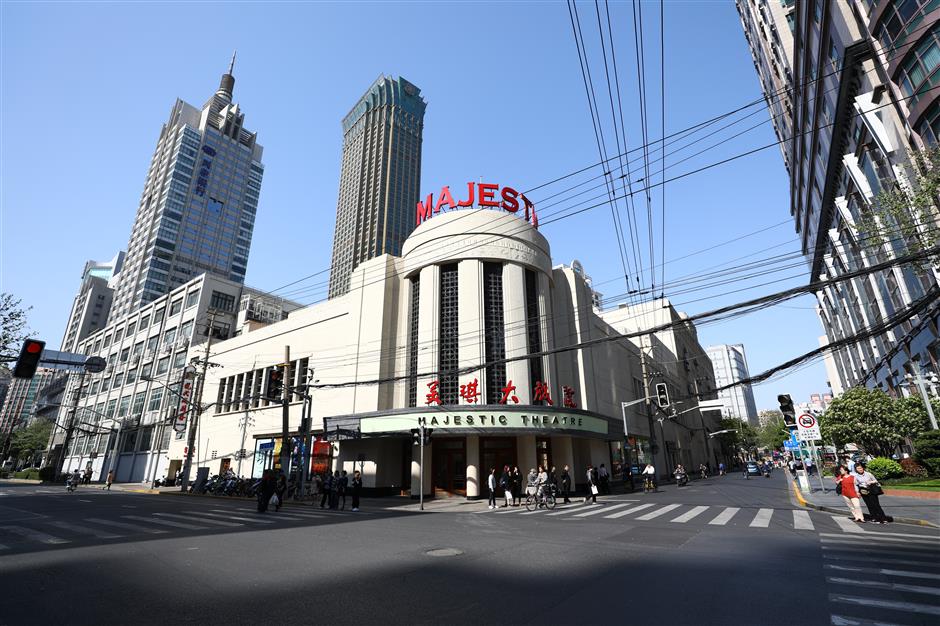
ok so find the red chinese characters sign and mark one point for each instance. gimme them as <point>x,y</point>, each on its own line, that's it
<point>470,394</point>
<point>478,194</point>
<point>186,391</point>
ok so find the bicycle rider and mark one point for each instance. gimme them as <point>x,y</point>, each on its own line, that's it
<point>541,483</point>
<point>649,475</point>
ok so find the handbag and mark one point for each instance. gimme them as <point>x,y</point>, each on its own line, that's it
<point>274,500</point>
<point>839,488</point>
<point>874,489</point>
<point>594,490</point>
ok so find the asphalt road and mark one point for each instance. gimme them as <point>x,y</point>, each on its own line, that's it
<point>721,551</point>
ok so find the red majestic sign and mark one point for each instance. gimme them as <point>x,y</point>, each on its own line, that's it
<point>482,194</point>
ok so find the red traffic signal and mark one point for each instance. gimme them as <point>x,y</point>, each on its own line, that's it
<point>30,354</point>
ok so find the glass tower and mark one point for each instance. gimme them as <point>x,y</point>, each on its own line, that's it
<point>380,178</point>
<point>197,210</point>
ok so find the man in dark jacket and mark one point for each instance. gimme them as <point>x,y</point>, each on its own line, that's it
<point>565,484</point>
<point>266,490</point>
<point>505,483</point>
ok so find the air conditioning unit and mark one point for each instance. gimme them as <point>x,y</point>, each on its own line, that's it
<point>151,417</point>
<point>182,344</point>
<point>135,360</point>
<point>168,348</point>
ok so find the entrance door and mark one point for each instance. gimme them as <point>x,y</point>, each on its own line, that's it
<point>543,453</point>
<point>450,465</point>
<point>495,452</point>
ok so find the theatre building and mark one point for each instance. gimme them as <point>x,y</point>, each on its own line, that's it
<point>465,333</point>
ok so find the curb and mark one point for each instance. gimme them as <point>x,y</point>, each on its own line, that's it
<point>828,509</point>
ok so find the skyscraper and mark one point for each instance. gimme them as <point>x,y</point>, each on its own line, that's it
<point>380,178</point>
<point>93,302</point>
<point>730,365</point>
<point>197,210</point>
<point>862,98</point>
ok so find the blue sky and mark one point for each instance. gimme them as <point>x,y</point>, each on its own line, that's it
<point>86,87</point>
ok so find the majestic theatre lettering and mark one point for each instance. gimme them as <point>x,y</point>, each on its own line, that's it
<point>478,194</point>
<point>504,419</point>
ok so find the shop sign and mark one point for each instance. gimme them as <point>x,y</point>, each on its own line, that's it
<point>478,194</point>
<point>186,391</point>
<point>482,419</point>
<point>470,393</point>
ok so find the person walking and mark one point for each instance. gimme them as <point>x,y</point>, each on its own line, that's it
<point>565,484</point>
<point>109,480</point>
<point>505,483</point>
<point>721,469</point>
<point>327,490</point>
<point>266,490</point>
<point>491,484</point>
<point>845,486</point>
<point>604,478</point>
<point>334,493</point>
<point>86,479</point>
<point>869,488</point>
<point>356,490</point>
<point>280,488</point>
<point>591,485</point>
<point>343,488</point>
<point>516,486</point>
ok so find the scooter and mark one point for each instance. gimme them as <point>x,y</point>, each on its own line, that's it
<point>682,480</point>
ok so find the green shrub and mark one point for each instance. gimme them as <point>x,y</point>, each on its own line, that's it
<point>913,468</point>
<point>30,474</point>
<point>932,465</point>
<point>883,468</point>
<point>927,445</point>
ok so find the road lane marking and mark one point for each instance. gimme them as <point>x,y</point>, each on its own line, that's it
<point>877,584</point>
<point>725,516</point>
<point>883,572</point>
<point>164,522</point>
<point>602,509</point>
<point>932,541</point>
<point>843,620</point>
<point>880,559</point>
<point>849,545</point>
<point>685,517</point>
<point>505,510</point>
<point>3,547</point>
<point>910,607</point>
<point>847,525</point>
<point>35,535</point>
<point>635,509</point>
<point>199,519</point>
<point>100,534</point>
<point>762,519</point>
<point>557,508</point>
<point>226,516</point>
<point>125,526</point>
<point>276,516</point>
<point>658,512</point>
<point>580,507</point>
<point>802,521</point>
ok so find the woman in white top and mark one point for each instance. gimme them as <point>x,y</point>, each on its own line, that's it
<point>868,487</point>
<point>491,483</point>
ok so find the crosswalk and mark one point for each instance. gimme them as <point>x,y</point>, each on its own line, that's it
<point>709,515</point>
<point>46,532</point>
<point>881,577</point>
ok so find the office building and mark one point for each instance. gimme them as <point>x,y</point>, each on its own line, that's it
<point>92,304</point>
<point>197,210</point>
<point>864,98</point>
<point>19,404</point>
<point>380,178</point>
<point>442,335</point>
<point>730,363</point>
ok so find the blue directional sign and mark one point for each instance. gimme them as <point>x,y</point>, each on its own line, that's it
<point>792,443</point>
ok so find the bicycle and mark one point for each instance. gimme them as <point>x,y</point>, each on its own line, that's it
<point>648,484</point>
<point>537,501</point>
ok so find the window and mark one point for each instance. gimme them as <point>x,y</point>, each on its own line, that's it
<point>176,306</point>
<point>533,325</point>
<point>124,406</point>
<point>494,333</point>
<point>125,353</point>
<point>118,380</point>
<point>139,400</point>
<point>138,348</point>
<point>131,329</point>
<point>158,316</point>
<point>163,365</point>
<point>929,127</point>
<point>186,330</point>
<point>130,441</point>
<point>105,384</point>
<point>920,64</point>
<point>106,342</point>
<point>222,301</point>
<point>112,406</point>
<point>179,360</point>
<point>131,376</point>
<point>118,335</point>
<point>448,354</point>
<point>152,344</point>
<point>94,387</point>
<point>192,298</point>
<point>146,437</point>
<point>145,321</point>
<point>413,342</point>
<point>169,337</point>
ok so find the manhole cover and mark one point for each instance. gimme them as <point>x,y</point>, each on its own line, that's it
<point>444,552</point>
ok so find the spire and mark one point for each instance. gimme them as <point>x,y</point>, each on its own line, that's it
<point>227,84</point>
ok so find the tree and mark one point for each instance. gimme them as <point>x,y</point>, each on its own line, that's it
<point>28,441</point>
<point>774,432</point>
<point>741,435</point>
<point>872,419</point>
<point>12,325</point>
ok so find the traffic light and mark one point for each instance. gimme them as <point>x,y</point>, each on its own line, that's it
<point>275,383</point>
<point>786,407</point>
<point>662,395</point>
<point>30,354</point>
<point>416,436</point>
<point>427,435</point>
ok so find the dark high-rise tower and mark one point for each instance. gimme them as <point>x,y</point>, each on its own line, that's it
<point>197,211</point>
<point>380,178</point>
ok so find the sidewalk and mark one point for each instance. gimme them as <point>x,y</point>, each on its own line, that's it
<point>906,510</point>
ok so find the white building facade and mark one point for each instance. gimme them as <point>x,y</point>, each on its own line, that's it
<point>730,363</point>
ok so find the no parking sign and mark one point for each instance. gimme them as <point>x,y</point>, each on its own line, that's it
<point>808,427</point>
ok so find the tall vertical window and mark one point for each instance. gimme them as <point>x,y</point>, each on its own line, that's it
<point>494,331</point>
<point>413,341</point>
<point>448,356</point>
<point>533,326</point>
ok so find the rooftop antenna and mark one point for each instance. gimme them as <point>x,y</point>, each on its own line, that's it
<point>231,67</point>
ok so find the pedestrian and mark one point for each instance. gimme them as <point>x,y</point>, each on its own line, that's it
<point>76,479</point>
<point>565,484</point>
<point>530,480</point>
<point>627,477</point>
<point>845,486</point>
<point>317,486</point>
<point>334,494</point>
<point>850,463</point>
<point>491,483</point>
<point>553,477</point>
<point>87,478</point>
<point>721,469</point>
<point>808,464</point>
<point>505,483</point>
<point>327,490</point>
<point>869,488</point>
<point>280,488</point>
<point>604,478</point>
<point>592,485</point>
<point>265,490</point>
<point>343,487</point>
<point>109,480</point>
<point>516,486</point>
<point>356,490</point>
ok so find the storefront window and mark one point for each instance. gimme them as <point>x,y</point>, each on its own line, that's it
<point>543,453</point>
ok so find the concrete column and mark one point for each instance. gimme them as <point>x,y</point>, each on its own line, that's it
<point>516,337</point>
<point>545,329</point>
<point>563,454</point>
<point>429,307</point>
<point>416,472</point>
<point>470,323</point>
<point>474,471</point>
<point>525,452</point>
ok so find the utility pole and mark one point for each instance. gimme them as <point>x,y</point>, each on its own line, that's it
<point>286,389</point>
<point>649,407</point>
<point>194,420</point>
<point>421,488</point>
<point>919,380</point>
<point>76,396</point>
<point>304,444</point>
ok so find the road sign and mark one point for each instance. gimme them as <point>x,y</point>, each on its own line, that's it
<point>808,427</point>
<point>792,443</point>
